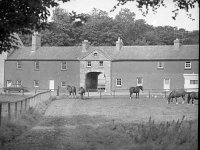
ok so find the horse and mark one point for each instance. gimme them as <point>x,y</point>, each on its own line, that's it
<point>192,95</point>
<point>71,90</point>
<point>135,90</point>
<point>176,94</point>
<point>81,92</point>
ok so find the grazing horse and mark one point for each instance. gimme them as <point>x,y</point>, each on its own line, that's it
<point>176,94</point>
<point>71,90</point>
<point>81,92</point>
<point>192,95</point>
<point>135,90</point>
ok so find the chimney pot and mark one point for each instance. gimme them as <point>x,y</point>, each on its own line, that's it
<point>85,45</point>
<point>177,44</point>
<point>36,41</point>
<point>119,44</point>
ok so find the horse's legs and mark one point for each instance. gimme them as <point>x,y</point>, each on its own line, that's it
<point>130,95</point>
<point>176,100</point>
<point>183,99</point>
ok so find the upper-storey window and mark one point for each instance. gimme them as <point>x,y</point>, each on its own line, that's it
<point>19,65</point>
<point>63,65</point>
<point>101,63</point>
<point>160,65</point>
<point>187,65</point>
<point>37,65</point>
<point>89,63</point>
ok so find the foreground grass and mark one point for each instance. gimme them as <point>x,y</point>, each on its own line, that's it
<point>11,130</point>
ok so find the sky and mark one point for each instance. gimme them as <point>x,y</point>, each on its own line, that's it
<point>161,18</point>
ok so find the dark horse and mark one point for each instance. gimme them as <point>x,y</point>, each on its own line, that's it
<point>192,95</point>
<point>81,92</point>
<point>71,90</point>
<point>135,90</point>
<point>175,94</point>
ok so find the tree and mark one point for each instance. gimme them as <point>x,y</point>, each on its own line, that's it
<point>22,16</point>
<point>145,5</point>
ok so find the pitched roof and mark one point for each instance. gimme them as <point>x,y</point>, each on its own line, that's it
<point>158,52</point>
<point>126,53</point>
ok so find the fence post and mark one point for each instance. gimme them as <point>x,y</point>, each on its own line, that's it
<point>15,110</point>
<point>149,94</point>
<point>9,112</point>
<point>58,91</point>
<point>25,104</point>
<point>21,107</point>
<point>0,112</point>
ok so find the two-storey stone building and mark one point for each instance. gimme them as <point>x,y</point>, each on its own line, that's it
<point>107,67</point>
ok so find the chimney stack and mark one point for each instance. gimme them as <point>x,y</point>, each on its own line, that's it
<point>119,44</point>
<point>36,41</point>
<point>177,44</point>
<point>85,45</point>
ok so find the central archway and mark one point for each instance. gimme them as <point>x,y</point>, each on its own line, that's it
<point>94,80</point>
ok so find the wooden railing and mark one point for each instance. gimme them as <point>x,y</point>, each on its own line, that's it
<point>13,109</point>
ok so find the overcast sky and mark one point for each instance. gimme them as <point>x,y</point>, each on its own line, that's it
<point>161,18</point>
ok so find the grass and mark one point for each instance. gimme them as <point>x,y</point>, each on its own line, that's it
<point>11,130</point>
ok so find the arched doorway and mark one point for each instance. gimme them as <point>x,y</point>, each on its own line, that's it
<point>95,81</point>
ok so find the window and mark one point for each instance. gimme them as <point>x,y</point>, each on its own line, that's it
<point>8,83</point>
<point>101,63</point>
<point>193,81</point>
<point>139,81</point>
<point>95,54</point>
<point>89,64</point>
<point>37,65</point>
<point>187,65</point>
<point>19,83</point>
<point>36,83</point>
<point>19,65</point>
<point>160,65</point>
<point>119,82</point>
<point>63,84</point>
<point>63,65</point>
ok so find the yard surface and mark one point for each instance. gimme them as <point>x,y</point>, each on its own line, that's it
<point>99,123</point>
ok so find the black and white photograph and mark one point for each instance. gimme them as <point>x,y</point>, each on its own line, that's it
<point>99,74</point>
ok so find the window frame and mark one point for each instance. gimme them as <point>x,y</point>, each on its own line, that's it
<point>36,66</point>
<point>17,83</point>
<point>101,62</point>
<point>63,65</point>
<point>89,62</point>
<point>137,79</point>
<point>19,65</point>
<point>34,83</point>
<point>160,65</point>
<point>117,81</point>
<point>188,63</point>
<point>61,84</point>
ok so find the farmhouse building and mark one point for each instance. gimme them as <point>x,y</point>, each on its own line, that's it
<point>109,68</point>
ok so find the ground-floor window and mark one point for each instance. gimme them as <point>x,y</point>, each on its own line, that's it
<point>36,83</point>
<point>63,84</point>
<point>139,81</point>
<point>119,82</point>
<point>19,83</point>
<point>8,83</point>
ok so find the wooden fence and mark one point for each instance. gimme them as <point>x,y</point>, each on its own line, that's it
<point>13,109</point>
